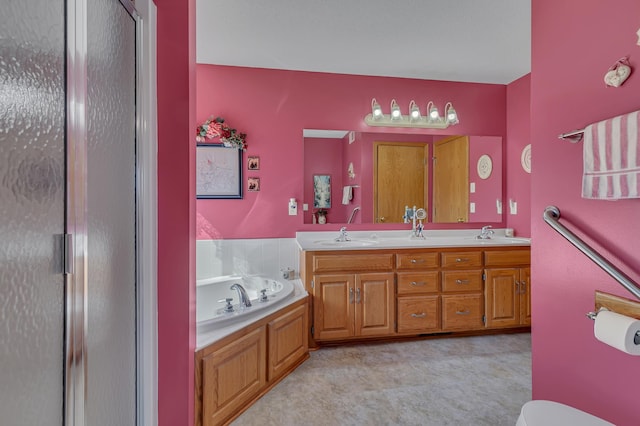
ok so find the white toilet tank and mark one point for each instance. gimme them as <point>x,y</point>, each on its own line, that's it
<point>549,413</point>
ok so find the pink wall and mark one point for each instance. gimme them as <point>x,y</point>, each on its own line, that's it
<point>573,45</point>
<point>518,181</point>
<point>273,106</point>
<point>176,211</point>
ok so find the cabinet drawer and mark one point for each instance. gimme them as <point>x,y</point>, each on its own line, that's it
<point>417,260</point>
<point>462,259</point>
<point>418,314</point>
<point>507,257</point>
<point>352,262</point>
<point>418,282</point>
<point>462,281</point>
<point>462,312</point>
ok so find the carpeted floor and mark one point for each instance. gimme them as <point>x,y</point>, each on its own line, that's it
<point>476,381</point>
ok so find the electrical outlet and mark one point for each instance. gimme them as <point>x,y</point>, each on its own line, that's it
<point>513,207</point>
<point>472,187</point>
<point>472,207</point>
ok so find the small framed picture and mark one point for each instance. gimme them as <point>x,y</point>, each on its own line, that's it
<point>322,191</point>
<point>253,163</point>
<point>253,184</point>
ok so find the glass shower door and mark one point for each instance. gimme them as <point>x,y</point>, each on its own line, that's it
<point>32,205</point>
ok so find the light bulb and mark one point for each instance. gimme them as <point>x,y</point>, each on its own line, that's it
<point>395,110</point>
<point>452,116</point>
<point>376,111</point>
<point>414,111</point>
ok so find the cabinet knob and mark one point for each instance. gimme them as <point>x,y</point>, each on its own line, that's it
<point>462,281</point>
<point>463,312</point>
<point>417,283</point>
<point>381,219</point>
<point>417,260</point>
<point>350,295</point>
<point>461,259</point>
<point>422,315</point>
<point>358,297</point>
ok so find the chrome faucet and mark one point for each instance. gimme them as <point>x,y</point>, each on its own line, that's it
<point>343,235</point>
<point>485,233</point>
<point>242,295</point>
<point>353,213</point>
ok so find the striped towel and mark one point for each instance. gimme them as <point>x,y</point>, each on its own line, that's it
<point>611,155</point>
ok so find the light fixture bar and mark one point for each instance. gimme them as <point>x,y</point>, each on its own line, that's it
<point>431,120</point>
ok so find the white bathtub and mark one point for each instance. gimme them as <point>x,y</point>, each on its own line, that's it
<point>212,292</point>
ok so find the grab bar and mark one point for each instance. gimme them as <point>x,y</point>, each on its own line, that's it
<point>551,215</point>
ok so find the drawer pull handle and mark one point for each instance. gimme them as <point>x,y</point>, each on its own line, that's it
<point>461,259</point>
<point>358,295</point>
<point>351,295</point>
<point>416,283</point>
<point>463,312</point>
<point>422,315</point>
<point>417,260</point>
<point>462,281</point>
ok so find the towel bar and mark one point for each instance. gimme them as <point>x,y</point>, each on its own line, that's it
<point>573,137</point>
<point>551,216</point>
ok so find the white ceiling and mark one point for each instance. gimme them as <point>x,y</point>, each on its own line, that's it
<point>485,41</point>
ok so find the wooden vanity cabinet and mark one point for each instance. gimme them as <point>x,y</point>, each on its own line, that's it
<point>508,292</point>
<point>353,305</point>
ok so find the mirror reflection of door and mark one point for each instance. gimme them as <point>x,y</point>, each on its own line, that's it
<point>400,179</point>
<point>450,179</point>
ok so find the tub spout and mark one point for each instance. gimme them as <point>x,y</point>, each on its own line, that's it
<point>242,295</point>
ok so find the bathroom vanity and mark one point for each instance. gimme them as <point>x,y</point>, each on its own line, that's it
<point>387,285</point>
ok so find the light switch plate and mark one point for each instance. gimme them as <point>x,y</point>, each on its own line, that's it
<point>472,187</point>
<point>472,207</point>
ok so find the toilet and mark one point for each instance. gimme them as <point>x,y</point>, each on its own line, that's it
<point>549,413</point>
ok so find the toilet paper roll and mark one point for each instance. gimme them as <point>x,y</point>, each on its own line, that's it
<point>617,331</point>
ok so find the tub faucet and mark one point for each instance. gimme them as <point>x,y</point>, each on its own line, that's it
<point>242,295</point>
<point>485,233</point>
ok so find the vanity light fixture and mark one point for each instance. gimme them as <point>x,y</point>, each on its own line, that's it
<point>432,120</point>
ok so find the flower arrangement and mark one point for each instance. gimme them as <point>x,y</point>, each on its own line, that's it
<point>216,128</point>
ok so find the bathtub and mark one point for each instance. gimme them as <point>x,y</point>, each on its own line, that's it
<point>212,292</point>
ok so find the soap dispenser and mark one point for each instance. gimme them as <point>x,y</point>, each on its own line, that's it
<point>293,207</point>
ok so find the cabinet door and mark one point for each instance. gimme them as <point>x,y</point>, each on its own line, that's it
<point>375,304</point>
<point>232,375</point>
<point>287,341</point>
<point>525,296</point>
<point>502,298</point>
<point>333,306</point>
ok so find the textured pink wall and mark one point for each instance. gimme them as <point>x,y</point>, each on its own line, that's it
<point>176,211</point>
<point>273,107</point>
<point>573,45</point>
<point>518,181</point>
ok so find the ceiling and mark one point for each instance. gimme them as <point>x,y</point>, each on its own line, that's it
<point>484,41</point>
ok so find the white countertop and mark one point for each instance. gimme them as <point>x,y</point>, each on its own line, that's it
<point>371,240</point>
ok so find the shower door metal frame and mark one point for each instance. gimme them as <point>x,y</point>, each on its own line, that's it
<point>75,240</point>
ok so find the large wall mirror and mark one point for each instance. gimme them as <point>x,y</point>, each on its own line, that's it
<point>375,176</point>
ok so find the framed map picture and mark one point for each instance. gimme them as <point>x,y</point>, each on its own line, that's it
<point>218,171</point>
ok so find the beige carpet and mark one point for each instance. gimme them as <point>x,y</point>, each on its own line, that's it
<point>455,381</point>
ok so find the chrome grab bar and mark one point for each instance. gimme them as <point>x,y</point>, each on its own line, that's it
<point>551,215</point>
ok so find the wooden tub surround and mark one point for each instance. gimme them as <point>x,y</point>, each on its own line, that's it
<point>235,371</point>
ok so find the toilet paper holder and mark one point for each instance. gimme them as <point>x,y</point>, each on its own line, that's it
<point>623,306</point>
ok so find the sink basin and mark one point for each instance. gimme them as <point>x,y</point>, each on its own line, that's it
<point>355,242</point>
<point>501,241</point>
